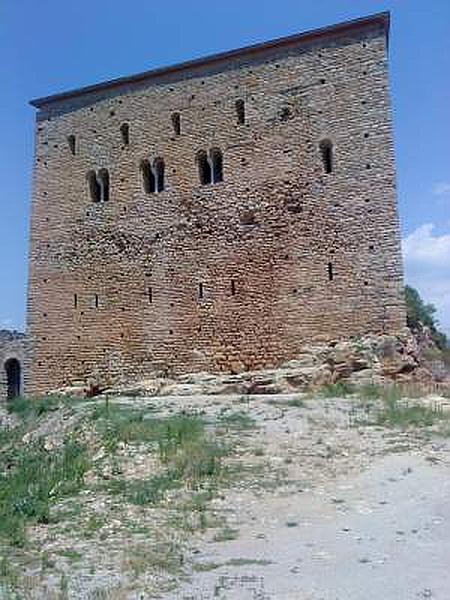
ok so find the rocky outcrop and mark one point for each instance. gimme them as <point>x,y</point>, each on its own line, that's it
<point>378,359</point>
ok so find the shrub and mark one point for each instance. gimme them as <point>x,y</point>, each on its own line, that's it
<point>419,314</point>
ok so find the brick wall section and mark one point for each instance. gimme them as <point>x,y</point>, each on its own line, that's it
<point>12,346</point>
<point>272,226</point>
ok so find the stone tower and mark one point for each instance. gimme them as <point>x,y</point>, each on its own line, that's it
<point>217,214</point>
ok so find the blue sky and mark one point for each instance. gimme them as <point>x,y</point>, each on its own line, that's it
<point>47,46</point>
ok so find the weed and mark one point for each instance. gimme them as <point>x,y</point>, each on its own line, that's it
<point>396,414</point>
<point>144,491</point>
<point>32,478</point>
<point>337,390</point>
<point>291,402</point>
<point>243,562</point>
<point>46,561</point>
<point>164,556</point>
<point>295,402</point>
<point>117,424</point>
<point>93,525</point>
<point>370,391</point>
<point>226,534</point>
<point>64,587</point>
<point>71,555</point>
<point>191,459</point>
<point>31,408</point>
<point>202,567</point>
<point>9,575</point>
<point>239,420</point>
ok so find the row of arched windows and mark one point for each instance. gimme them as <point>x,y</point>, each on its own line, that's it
<point>210,170</point>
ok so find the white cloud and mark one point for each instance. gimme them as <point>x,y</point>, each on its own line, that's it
<point>427,268</point>
<point>6,323</point>
<point>441,189</point>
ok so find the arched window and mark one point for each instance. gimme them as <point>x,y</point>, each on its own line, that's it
<point>176,123</point>
<point>326,150</point>
<point>240,111</point>
<point>125,133</point>
<point>148,178</point>
<point>216,164</point>
<point>72,144</point>
<point>158,169</point>
<point>204,168</point>
<point>103,180</point>
<point>94,187</point>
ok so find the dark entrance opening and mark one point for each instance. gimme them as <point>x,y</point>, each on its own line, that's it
<point>12,368</point>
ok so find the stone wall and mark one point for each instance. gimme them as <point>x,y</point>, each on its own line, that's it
<point>12,349</point>
<point>224,277</point>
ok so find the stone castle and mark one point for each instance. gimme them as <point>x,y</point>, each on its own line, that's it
<point>215,215</point>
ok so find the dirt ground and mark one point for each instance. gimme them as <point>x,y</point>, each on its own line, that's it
<point>326,503</point>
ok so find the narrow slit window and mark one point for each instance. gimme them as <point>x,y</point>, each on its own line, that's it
<point>217,165</point>
<point>103,177</point>
<point>326,150</point>
<point>75,301</point>
<point>240,111</point>
<point>94,187</point>
<point>150,295</point>
<point>176,123</point>
<point>159,168</point>
<point>204,168</point>
<point>72,144</point>
<point>96,300</point>
<point>148,177</point>
<point>233,287</point>
<point>125,133</point>
<point>200,290</point>
<point>330,271</point>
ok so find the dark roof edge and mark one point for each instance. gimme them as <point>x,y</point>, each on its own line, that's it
<point>378,19</point>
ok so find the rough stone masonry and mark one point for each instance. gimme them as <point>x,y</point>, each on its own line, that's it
<point>216,215</point>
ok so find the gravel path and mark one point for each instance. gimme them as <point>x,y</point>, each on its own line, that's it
<point>383,534</point>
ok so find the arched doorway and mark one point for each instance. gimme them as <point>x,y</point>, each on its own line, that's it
<point>12,368</point>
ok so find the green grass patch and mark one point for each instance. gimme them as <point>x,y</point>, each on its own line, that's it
<point>117,424</point>
<point>31,408</point>
<point>190,457</point>
<point>32,479</point>
<point>397,413</point>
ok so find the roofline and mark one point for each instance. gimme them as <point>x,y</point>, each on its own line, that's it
<point>379,19</point>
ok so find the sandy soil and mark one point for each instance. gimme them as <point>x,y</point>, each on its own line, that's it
<point>384,533</point>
